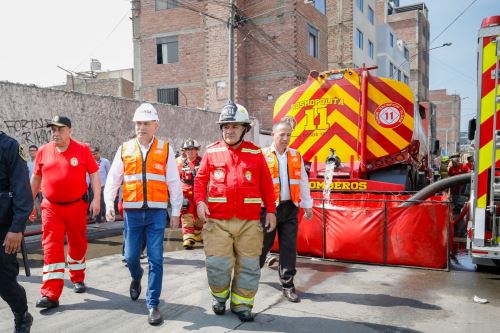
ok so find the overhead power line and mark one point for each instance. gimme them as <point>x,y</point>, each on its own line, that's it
<point>107,36</point>
<point>454,20</point>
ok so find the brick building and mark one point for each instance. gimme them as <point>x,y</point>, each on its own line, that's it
<point>411,25</point>
<point>181,51</point>
<point>448,108</point>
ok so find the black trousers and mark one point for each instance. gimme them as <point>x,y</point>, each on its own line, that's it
<point>11,291</point>
<point>286,227</point>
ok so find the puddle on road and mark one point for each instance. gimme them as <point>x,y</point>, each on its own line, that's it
<point>110,246</point>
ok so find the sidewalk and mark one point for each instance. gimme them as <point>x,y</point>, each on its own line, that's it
<point>336,297</point>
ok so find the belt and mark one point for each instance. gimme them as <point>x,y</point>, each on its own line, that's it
<point>66,202</point>
<point>6,195</point>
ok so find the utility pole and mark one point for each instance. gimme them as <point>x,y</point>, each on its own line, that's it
<point>230,25</point>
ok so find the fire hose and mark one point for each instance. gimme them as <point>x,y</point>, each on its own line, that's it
<point>438,186</point>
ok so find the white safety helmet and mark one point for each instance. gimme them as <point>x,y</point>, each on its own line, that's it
<point>146,112</point>
<point>234,113</point>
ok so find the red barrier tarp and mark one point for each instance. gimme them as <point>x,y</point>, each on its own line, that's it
<point>357,225</point>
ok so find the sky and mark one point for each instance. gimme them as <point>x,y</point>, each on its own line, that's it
<point>37,36</point>
<point>454,68</point>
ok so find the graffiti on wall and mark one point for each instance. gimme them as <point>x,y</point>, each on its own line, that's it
<point>29,131</point>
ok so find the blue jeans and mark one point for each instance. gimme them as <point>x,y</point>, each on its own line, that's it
<point>149,223</point>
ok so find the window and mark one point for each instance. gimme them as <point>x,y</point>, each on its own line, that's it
<point>320,5</point>
<point>405,79</point>
<point>167,50</point>
<point>371,15</point>
<point>360,4</point>
<point>165,4</point>
<point>312,42</point>
<point>370,49</point>
<point>168,96</point>
<point>399,75</point>
<point>391,69</point>
<point>359,39</point>
<point>407,54</point>
<point>391,39</point>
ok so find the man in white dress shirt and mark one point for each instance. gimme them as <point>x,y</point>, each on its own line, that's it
<point>291,190</point>
<point>146,166</point>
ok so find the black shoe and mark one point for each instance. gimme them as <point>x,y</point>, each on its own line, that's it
<point>79,287</point>
<point>218,307</point>
<point>245,315</point>
<point>154,316</point>
<point>46,303</point>
<point>23,322</point>
<point>135,289</point>
<point>291,295</point>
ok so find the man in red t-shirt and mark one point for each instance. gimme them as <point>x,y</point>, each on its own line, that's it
<point>60,171</point>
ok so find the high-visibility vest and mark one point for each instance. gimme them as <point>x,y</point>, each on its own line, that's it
<point>144,181</point>
<point>294,161</point>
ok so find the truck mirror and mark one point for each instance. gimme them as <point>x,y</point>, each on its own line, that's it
<point>472,129</point>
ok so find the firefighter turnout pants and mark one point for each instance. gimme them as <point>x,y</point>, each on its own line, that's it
<point>286,227</point>
<point>10,291</point>
<point>191,227</point>
<point>232,248</point>
<point>57,221</point>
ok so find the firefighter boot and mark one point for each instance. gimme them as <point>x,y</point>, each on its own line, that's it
<point>23,322</point>
<point>197,238</point>
<point>218,307</point>
<point>244,316</point>
<point>188,244</point>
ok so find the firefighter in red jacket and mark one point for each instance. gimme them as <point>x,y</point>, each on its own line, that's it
<point>232,182</point>
<point>60,171</point>
<point>188,167</point>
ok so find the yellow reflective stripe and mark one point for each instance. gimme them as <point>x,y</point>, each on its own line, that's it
<point>76,267</point>
<point>237,299</point>
<point>213,199</point>
<point>216,149</point>
<point>253,200</point>
<point>53,276</point>
<point>251,151</point>
<point>54,267</point>
<point>481,201</point>
<point>222,294</point>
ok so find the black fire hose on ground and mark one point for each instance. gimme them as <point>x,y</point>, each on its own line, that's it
<point>438,186</point>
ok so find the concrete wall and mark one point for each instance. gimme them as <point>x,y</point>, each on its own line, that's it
<point>100,120</point>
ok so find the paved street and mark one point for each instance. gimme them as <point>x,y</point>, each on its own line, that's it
<point>336,297</point>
